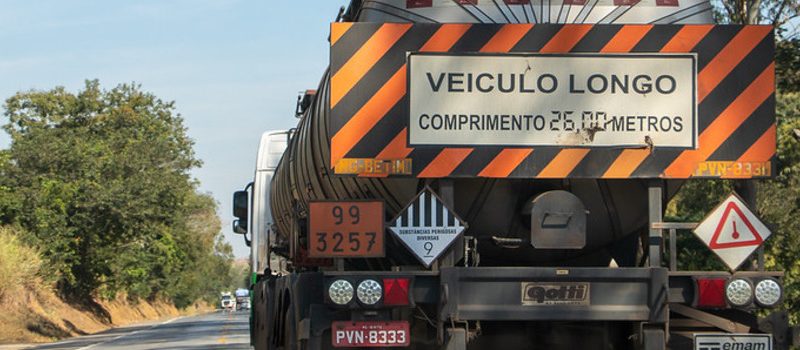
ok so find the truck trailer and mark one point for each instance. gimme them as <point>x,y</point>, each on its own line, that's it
<point>473,174</point>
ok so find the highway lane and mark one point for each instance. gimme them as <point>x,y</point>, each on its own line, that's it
<point>218,330</point>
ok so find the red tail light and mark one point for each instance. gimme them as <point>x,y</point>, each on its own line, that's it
<point>710,293</point>
<point>395,291</point>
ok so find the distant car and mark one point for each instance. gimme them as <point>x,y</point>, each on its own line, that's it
<point>228,302</point>
<point>242,299</point>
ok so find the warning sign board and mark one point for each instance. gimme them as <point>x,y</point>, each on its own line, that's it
<point>427,226</point>
<point>732,231</point>
<point>551,101</point>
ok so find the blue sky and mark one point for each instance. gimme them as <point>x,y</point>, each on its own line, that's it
<point>233,67</point>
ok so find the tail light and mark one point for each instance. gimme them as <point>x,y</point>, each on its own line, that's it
<point>395,291</point>
<point>768,292</point>
<point>369,292</point>
<point>340,292</point>
<point>710,293</point>
<point>739,292</point>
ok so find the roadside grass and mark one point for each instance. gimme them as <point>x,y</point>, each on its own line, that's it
<point>31,312</point>
<point>20,265</point>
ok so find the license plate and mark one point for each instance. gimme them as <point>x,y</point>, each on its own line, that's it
<point>370,334</point>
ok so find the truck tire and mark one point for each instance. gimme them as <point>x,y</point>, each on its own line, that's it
<point>290,330</point>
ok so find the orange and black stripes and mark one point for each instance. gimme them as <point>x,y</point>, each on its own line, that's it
<point>718,101</point>
<point>337,31</point>
<point>733,53</point>
<point>686,39</point>
<point>504,40</point>
<point>369,103</point>
<point>725,124</point>
<point>387,95</point>
<point>504,163</point>
<point>763,149</point>
<point>357,66</point>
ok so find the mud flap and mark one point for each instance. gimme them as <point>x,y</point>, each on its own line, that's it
<point>653,339</point>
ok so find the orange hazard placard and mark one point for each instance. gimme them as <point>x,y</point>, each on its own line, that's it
<point>345,229</point>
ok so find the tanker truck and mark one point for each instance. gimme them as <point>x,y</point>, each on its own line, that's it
<point>473,174</point>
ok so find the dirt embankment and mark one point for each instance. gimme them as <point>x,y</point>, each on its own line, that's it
<point>35,316</point>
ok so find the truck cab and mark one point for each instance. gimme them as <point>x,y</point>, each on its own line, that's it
<point>227,302</point>
<point>251,205</point>
<point>254,218</point>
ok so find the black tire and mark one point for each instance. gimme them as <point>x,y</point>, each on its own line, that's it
<point>290,330</point>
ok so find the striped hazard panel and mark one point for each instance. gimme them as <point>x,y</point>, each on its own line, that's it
<point>733,124</point>
<point>429,212</point>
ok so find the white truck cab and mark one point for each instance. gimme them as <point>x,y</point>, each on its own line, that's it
<point>251,205</point>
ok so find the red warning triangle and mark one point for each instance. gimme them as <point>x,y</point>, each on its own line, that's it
<point>756,240</point>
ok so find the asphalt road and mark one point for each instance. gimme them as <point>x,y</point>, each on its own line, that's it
<point>218,330</point>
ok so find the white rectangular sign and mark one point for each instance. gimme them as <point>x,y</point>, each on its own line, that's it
<point>583,100</point>
<point>730,341</point>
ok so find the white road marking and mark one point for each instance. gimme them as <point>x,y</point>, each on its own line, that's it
<point>129,334</point>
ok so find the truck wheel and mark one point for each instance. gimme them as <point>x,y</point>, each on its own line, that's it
<point>291,341</point>
<point>290,330</point>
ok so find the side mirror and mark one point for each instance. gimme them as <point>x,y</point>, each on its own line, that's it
<point>303,102</point>
<point>240,206</point>
<point>240,227</point>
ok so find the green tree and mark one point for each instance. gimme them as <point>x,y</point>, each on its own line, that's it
<point>787,71</point>
<point>777,13</point>
<point>101,180</point>
<point>9,203</point>
<point>779,203</point>
<point>205,260</point>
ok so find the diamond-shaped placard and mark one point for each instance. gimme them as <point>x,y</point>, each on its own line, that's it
<point>732,231</point>
<point>426,226</point>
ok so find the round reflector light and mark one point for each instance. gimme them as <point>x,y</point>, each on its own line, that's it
<point>739,292</point>
<point>369,292</point>
<point>768,292</point>
<point>340,292</point>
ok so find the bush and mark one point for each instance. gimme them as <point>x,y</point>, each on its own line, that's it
<point>19,264</point>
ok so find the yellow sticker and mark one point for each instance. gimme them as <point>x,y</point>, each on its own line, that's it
<point>369,166</point>
<point>728,169</point>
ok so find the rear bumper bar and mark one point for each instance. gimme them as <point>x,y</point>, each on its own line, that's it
<point>497,293</point>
